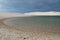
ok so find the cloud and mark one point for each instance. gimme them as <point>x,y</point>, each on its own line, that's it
<point>43,13</point>
<point>24,6</point>
<point>7,15</point>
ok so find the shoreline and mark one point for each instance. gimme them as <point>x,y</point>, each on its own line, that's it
<point>24,29</point>
<point>14,33</point>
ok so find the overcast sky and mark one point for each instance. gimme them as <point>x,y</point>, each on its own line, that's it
<point>24,6</point>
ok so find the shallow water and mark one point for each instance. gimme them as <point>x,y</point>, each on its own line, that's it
<point>36,23</point>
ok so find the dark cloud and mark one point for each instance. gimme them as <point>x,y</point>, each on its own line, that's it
<point>30,5</point>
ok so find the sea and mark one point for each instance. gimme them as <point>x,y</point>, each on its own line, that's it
<point>36,23</point>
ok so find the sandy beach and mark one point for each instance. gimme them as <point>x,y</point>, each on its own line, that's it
<point>13,33</point>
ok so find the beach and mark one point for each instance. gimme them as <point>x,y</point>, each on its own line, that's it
<point>13,33</point>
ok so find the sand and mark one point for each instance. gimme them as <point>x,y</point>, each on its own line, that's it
<point>12,33</point>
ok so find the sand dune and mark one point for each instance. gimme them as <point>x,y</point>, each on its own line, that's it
<point>12,33</point>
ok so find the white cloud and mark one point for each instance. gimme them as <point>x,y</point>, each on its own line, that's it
<point>7,15</point>
<point>43,13</point>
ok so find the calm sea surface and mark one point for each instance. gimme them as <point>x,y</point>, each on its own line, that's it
<point>37,23</point>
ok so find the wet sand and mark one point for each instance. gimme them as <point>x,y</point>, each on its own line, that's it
<point>13,33</point>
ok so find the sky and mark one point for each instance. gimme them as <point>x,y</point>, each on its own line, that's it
<point>25,6</point>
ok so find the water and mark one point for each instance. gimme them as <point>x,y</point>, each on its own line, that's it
<point>36,23</point>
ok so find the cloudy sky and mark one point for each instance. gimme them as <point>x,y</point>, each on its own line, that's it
<point>24,6</point>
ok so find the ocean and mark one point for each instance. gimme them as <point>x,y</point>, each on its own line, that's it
<point>36,23</point>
